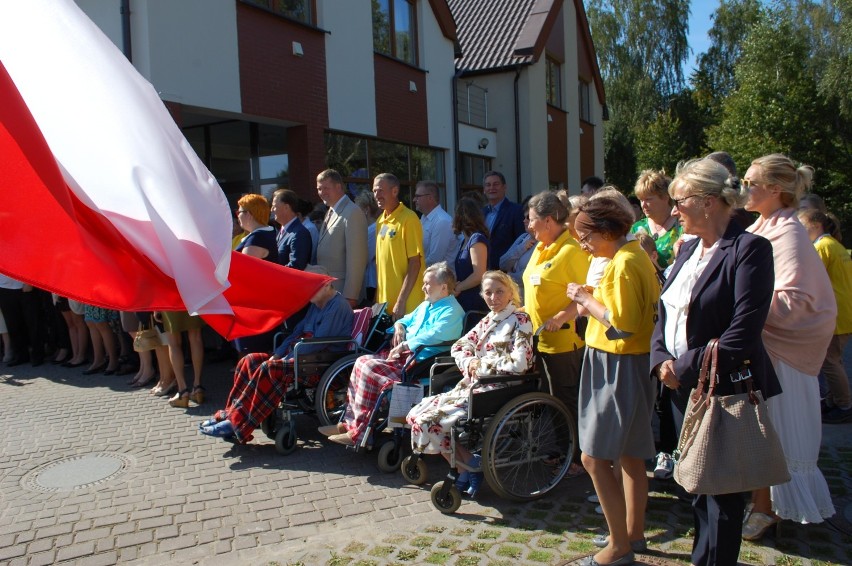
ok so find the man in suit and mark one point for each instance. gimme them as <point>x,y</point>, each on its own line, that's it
<point>399,249</point>
<point>294,240</point>
<point>342,243</point>
<point>439,242</point>
<point>504,218</point>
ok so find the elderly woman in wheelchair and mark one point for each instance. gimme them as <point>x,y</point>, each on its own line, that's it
<point>436,320</point>
<point>501,343</point>
<point>261,381</point>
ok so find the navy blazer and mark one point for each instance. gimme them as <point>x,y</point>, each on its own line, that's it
<point>730,301</point>
<point>508,225</point>
<point>294,245</point>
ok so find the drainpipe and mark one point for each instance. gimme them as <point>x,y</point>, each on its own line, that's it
<point>125,30</point>
<point>456,170</point>
<point>517,138</point>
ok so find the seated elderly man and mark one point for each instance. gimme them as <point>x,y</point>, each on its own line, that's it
<point>261,381</point>
<point>436,320</point>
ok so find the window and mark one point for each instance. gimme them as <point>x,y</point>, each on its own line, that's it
<point>585,101</point>
<point>472,169</point>
<point>300,10</point>
<point>358,160</point>
<point>395,29</point>
<point>554,82</point>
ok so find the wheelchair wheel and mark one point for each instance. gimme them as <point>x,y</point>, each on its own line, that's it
<point>330,396</point>
<point>390,456</point>
<point>414,472</point>
<point>528,446</point>
<point>285,439</point>
<point>268,426</point>
<point>446,504</point>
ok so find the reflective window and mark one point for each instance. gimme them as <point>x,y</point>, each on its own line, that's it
<point>300,10</point>
<point>395,29</point>
<point>585,101</point>
<point>554,82</point>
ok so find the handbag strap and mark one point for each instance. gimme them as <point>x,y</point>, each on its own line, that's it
<point>709,363</point>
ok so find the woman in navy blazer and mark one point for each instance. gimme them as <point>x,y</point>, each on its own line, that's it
<point>720,287</point>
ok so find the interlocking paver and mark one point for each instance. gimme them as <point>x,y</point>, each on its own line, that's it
<point>190,498</point>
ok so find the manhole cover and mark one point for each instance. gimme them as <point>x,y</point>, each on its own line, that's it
<point>77,472</point>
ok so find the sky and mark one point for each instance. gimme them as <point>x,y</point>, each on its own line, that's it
<point>699,24</point>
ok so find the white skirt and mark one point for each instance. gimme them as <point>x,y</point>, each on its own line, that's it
<point>795,414</point>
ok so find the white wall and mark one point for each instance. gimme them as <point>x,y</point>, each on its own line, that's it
<point>534,156</point>
<point>571,97</point>
<point>188,50</point>
<point>350,74</point>
<point>436,57</point>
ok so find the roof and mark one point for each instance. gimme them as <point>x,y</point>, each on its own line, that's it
<point>487,32</point>
<point>497,35</point>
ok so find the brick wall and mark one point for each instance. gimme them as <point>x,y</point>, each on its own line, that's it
<point>276,84</point>
<point>401,115</point>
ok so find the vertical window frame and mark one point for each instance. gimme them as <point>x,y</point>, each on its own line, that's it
<point>413,22</point>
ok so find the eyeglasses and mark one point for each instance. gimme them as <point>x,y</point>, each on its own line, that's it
<point>585,239</point>
<point>416,196</point>
<point>679,201</point>
<point>748,184</point>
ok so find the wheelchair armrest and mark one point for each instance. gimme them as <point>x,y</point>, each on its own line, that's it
<point>325,340</point>
<point>445,361</point>
<point>507,377</point>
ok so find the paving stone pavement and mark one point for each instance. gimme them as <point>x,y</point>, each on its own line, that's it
<point>179,497</point>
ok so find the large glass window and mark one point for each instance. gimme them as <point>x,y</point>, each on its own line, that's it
<point>585,101</point>
<point>300,10</point>
<point>472,168</point>
<point>245,157</point>
<point>358,160</point>
<point>395,29</point>
<point>554,82</point>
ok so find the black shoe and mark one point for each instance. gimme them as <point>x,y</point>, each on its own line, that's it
<point>95,370</point>
<point>17,361</point>
<point>78,364</point>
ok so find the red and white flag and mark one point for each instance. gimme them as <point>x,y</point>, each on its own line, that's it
<point>102,199</point>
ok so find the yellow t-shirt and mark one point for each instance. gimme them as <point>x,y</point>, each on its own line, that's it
<point>399,236</point>
<point>838,263</point>
<point>546,278</point>
<point>629,290</point>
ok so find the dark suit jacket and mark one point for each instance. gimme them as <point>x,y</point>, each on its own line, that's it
<point>508,225</point>
<point>294,246</point>
<point>729,301</point>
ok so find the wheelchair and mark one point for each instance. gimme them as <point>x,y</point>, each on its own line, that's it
<point>324,369</point>
<point>418,372</point>
<point>526,438</point>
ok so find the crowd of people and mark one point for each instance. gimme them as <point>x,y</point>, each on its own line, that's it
<point>627,300</point>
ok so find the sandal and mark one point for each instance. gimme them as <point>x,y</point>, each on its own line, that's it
<point>180,400</point>
<point>197,394</point>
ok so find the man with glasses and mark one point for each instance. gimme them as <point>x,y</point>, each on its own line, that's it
<point>504,218</point>
<point>439,242</point>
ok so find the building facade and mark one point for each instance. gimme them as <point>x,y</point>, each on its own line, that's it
<point>270,92</point>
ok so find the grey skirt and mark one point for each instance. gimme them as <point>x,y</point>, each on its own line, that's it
<point>616,403</point>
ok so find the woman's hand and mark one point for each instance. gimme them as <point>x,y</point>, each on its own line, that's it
<point>398,335</point>
<point>580,294</point>
<point>667,376</point>
<point>471,369</point>
<point>397,351</point>
<point>553,324</point>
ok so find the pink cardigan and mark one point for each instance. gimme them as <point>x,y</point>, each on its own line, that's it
<point>803,312</point>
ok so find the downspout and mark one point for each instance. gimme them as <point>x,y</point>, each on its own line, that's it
<point>517,138</point>
<point>125,30</point>
<point>456,170</point>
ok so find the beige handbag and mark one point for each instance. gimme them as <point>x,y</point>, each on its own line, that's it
<point>149,338</point>
<point>728,443</point>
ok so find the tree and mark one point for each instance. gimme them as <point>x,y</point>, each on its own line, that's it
<point>778,108</point>
<point>641,46</point>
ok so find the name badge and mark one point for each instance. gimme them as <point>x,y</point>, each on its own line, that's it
<point>535,279</point>
<point>384,231</point>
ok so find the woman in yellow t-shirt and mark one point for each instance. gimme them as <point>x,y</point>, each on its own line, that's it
<point>616,391</point>
<point>556,261</point>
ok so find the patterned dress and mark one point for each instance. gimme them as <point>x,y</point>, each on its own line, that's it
<point>502,342</point>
